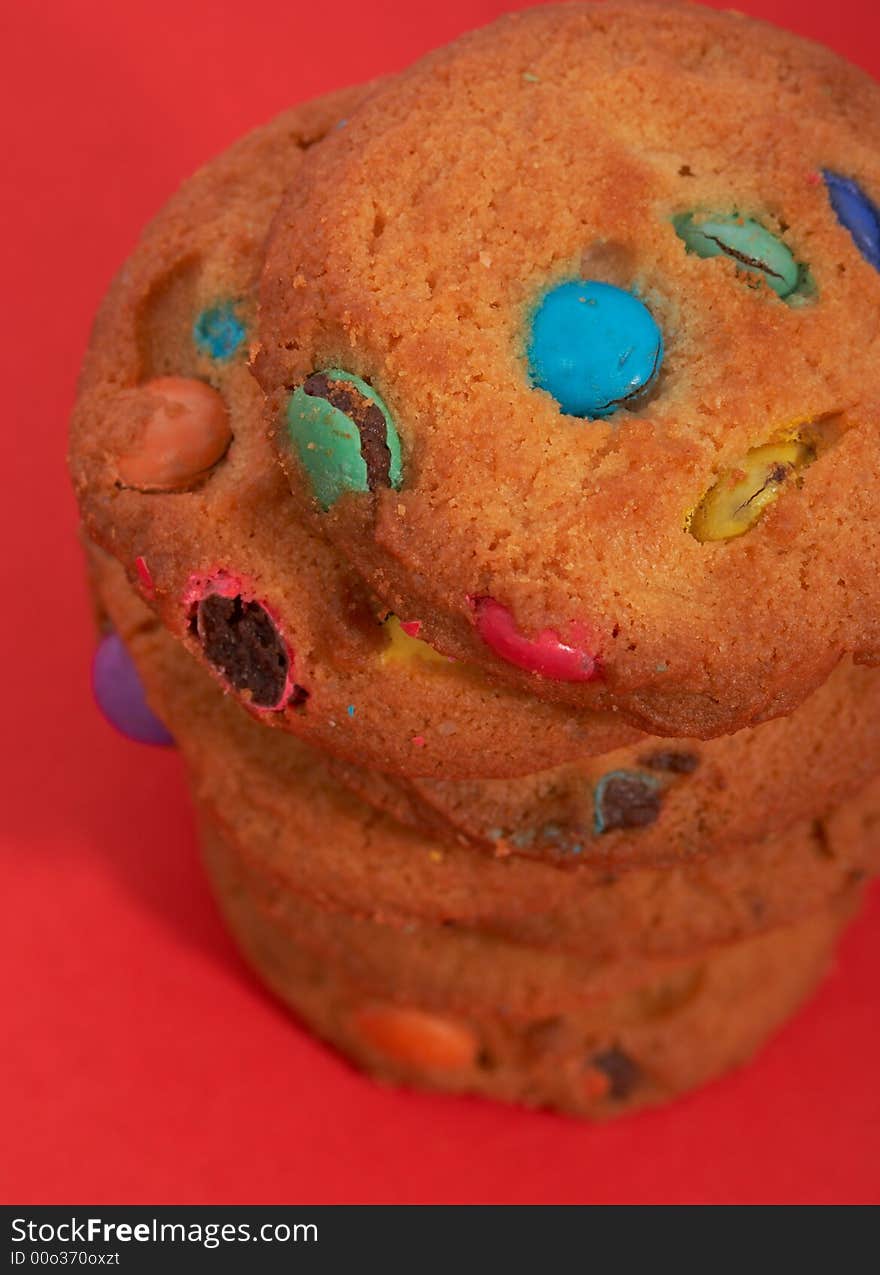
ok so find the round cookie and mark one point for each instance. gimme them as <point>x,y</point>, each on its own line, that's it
<point>277,799</point>
<point>176,479</point>
<point>671,1033</point>
<point>702,556</point>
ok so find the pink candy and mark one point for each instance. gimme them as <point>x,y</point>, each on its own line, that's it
<point>547,654</point>
<point>145,576</point>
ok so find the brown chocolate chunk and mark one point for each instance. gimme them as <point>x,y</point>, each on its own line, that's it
<point>624,1075</point>
<point>626,799</point>
<point>241,642</point>
<point>671,761</point>
<point>367,419</point>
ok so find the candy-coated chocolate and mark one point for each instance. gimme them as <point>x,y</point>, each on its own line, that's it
<point>594,347</point>
<point>344,436</point>
<point>184,432</point>
<point>746,242</point>
<point>404,648</point>
<point>857,213</point>
<point>548,654</point>
<point>415,1038</point>
<point>625,799</point>
<point>743,492</point>
<point>120,696</point>
<point>218,332</point>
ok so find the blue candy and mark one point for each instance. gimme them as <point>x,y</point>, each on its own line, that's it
<point>857,213</point>
<point>219,332</point>
<point>594,347</point>
<point>120,696</point>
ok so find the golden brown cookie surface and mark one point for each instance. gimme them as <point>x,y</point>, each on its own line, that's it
<point>660,800</point>
<point>700,557</point>
<point>675,1030</point>
<point>177,480</point>
<point>280,802</point>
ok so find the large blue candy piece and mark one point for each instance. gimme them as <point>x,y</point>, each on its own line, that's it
<point>857,213</point>
<point>120,695</point>
<point>594,347</point>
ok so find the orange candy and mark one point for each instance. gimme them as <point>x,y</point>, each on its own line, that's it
<point>415,1038</point>
<point>184,431</point>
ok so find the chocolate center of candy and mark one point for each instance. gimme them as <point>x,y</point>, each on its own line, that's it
<point>367,419</point>
<point>759,265</point>
<point>240,640</point>
<point>626,800</point>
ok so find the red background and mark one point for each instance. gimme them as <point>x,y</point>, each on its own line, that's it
<point>139,1061</point>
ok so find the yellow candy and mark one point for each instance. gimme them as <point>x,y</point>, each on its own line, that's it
<point>403,649</point>
<point>744,491</point>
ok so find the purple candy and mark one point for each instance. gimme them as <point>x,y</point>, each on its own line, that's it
<point>857,213</point>
<point>120,695</point>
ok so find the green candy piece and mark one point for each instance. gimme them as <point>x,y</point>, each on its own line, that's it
<point>745,241</point>
<point>344,435</point>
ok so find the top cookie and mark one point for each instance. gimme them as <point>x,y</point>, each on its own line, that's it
<point>177,481</point>
<point>570,343</point>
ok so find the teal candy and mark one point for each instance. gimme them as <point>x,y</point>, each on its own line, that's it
<point>746,242</point>
<point>328,442</point>
<point>594,347</point>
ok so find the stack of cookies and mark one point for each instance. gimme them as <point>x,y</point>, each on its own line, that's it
<point>479,482</point>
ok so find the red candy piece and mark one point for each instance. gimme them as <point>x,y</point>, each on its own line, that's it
<point>547,654</point>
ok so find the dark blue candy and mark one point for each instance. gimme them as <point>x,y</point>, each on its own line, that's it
<point>219,332</point>
<point>594,347</point>
<point>120,695</point>
<point>857,213</point>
